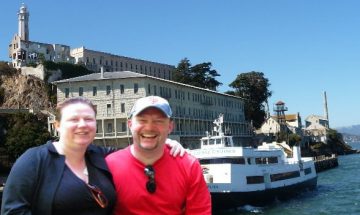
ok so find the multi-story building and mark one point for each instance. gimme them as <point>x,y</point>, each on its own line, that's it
<point>194,108</point>
<point>316,127</point>
<point>22,51</point>
<point>271,126</point>
<point>95,60</point>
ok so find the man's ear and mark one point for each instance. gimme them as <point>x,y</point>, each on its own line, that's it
<point>129,123</point>
<point>171,126</point>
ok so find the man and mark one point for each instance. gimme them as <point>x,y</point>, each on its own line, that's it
<point>147,179</point>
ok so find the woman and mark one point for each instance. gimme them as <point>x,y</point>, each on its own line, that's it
<point>69,176</point>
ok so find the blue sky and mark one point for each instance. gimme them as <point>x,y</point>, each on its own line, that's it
<point>303,47</point>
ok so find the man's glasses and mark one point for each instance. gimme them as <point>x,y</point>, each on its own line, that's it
<point>98,195</point>
<point>150,184</point>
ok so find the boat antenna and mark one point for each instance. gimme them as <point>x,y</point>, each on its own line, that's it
<point>218,124</point>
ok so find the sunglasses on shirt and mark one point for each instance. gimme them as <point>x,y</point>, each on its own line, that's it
<point>98,195</point>
<point>150,184</point>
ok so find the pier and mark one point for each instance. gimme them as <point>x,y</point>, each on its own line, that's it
<point>323,163</point>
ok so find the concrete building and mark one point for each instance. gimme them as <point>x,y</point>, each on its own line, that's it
<point>316,128</point>
<point>194,109</point>
<point>316,120</point>
<point>271,125</point>
<point>22,52</point>
<point>95,60</point>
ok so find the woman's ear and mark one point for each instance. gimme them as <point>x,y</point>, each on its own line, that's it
<point>57,125</point>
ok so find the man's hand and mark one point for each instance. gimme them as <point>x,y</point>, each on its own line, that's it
<point>176,148</point>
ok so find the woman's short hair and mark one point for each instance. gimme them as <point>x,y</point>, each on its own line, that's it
<point>60,106</point>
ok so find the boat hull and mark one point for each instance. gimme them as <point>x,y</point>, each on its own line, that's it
<point>228,200</point>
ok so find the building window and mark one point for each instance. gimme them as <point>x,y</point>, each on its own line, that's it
<point>155,90</point>
<point>149,89</point>
<point>94,91</point>
<point>67,92</point>
<point>136,88</point>
<point>121,89</point>
<point>109,128</point>
<point>123,126</point>
<point>108,89</point>
<point>122,107</point>
<point>81,91</point>
<point>108,109</point>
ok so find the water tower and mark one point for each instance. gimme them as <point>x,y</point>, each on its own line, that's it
<point>279,110</point>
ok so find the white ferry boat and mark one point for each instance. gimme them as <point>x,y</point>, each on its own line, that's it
<point>237,175</point>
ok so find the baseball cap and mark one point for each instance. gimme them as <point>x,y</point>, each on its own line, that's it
<point>151,101</point>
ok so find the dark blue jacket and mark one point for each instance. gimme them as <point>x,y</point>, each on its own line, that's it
<point>35,176</point>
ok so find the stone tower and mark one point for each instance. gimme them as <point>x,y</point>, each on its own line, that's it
<point>23,17</point>
<point>326,111</point>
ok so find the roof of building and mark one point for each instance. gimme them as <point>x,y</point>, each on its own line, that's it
<point>280,103</point>
<point>130,58</point>
<point>128,74</point>
<point>106,75</point>
<point>316,116</point>
<point>288,117</point>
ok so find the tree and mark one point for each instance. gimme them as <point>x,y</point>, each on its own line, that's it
<point>253,88</point>
<point>5,69</point>
<point>200,75</point>
<point>25,131</point>
<point>294,139</point>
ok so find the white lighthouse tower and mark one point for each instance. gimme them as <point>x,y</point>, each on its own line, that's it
<point>23,17</point>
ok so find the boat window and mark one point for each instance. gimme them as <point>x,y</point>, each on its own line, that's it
<point>260,160</point>
<point>218,141</point>
<point>266,160</point>
<point>211,142</point>
<point>272,160</point>
<point>307,171</point>
<point>227,142</point>
<point>223,160</point>
<point>254,179</point>
<point>284,176</point>
<point>249,160</point>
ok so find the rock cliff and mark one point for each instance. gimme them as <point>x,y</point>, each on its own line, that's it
<point>20,91</point>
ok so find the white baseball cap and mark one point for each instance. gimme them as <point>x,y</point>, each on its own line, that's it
<point>151,101</point>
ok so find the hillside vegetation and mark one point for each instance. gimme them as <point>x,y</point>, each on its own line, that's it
<point>21,131</point>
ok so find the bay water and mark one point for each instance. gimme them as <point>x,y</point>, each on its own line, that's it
<point>337,192</point>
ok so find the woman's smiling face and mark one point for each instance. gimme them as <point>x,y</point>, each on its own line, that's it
<point>77,126</point>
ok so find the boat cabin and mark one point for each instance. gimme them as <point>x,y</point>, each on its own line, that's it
<point>216,141</point>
